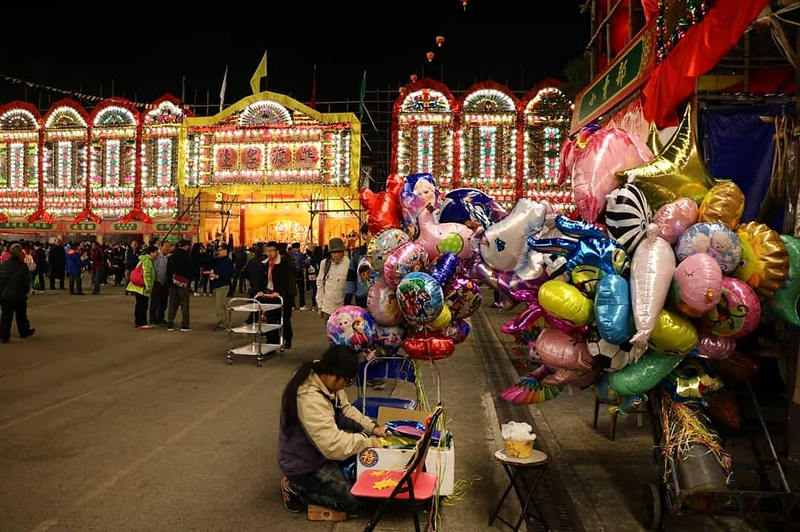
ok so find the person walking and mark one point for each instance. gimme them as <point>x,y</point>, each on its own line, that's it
<point>14,285</point>
<point>299,260</point>
<point>180,269</point>
<point>158,299</point>
<point>142,279</point>
<point>98,264</point>
<point>57,260</point>
<point>280,281</point>
<point>74,269</point>
<point>131,259</point>
<point>40,259</point>
<point>220,278</point>
<point>239,263</point>
<point>331,279</point>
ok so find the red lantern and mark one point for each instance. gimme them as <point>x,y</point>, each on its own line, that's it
<point>429,55</point>
<point>413,78</point>
<point>439,41</point>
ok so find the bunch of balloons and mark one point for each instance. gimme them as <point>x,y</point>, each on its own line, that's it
<point>649,298</point>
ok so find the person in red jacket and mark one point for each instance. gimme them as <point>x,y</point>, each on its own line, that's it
<point>98,264</point>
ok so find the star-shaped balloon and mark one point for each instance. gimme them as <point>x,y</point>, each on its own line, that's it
<point>677,171</point>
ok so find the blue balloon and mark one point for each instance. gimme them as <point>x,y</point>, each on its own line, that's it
<point>445,268</point>
<point>420,297</point>
<point>612,309</point>
<point>454,206</point>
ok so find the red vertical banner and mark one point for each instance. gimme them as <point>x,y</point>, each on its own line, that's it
<point>321,234</point>
<point>137,168</point>
<point>242,224</point>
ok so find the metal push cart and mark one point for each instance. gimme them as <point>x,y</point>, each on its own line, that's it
<point>763,504</point>
<point>258,347</point>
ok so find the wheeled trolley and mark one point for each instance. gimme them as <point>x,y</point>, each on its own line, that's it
<point>257,329</point>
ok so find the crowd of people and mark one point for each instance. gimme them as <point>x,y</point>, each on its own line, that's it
<point>163,277</point>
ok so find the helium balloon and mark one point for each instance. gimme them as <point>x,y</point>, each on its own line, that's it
<point>458,330</point>
<point>586,278</point>
<point>592,247</point>
<point>442,320</point>
<point>692,380</point>
<point>531,266</point>
<point>627,216</point>
<point>389,338</point>
<point>697,285</point>
<point>580,378</point>
<point>406,258</point>
<point>505,282</point>
<point>463,297</point>
<point>383,210</point>
<point>673,219</point>
<point>783,303</point>
<point>419,192</point>
<point>564,301</point>
<point>428,346</point>
<point>612,309</point>
<point>441,238</point>
<point>607,152</point>
<point>536,316</point>
<point>737,367</point>
<point>382,304</point>
<point>765,260</point>
<point>351,326</point>
<point>673,334</point>
<point>530,389</point>
<point>644,374</point>
<point>722,408</point>
<point>445,268</point>
<point>738,311</point>
<point>724,204</point>
<point>454,206</point>
<point>503,243</point>
<point>715,347</point>
<point>677,171</point>
<point>557,349</point>
<point>420,298</point>
<point>712,238</point>
<point>619,355</point>
<point>651,274</point>
<point>381,244</point>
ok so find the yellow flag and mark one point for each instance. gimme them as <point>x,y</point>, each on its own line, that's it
<point>261,72</point>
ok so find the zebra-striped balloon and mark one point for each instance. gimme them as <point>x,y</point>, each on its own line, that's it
<point>627,216</point>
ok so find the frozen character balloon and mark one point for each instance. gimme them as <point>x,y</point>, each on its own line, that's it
<point>359,340</point>
<point>351,326</point>
<point>419,192</point>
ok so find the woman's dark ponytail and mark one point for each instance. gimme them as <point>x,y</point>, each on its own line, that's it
<point>289,399</point>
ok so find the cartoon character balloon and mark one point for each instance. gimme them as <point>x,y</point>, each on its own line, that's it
<point>454,206</point>
<point>738,311</point>
<point>651,274</point>
<point>607,152</point>
<point>381,244</point>
<point>697,285</point>
<point>406,258</point>
<point>503,243</point>
<point>441,238</point>
<point>458,330</point>
<point>382,304</point>
<point>765,261</point>
<point>712,238</point>
<point>389,338</point>
<point>420,298</point>
<point>419,193</point>
<point>673,219</point>
<point>784,302</point>
<point>351,326</point>
<point>692,380</point>
<point>463,297</point>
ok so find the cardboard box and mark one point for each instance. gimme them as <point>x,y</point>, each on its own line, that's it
<point>372,459</point>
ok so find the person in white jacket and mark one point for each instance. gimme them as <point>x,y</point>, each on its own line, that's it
<point>331,279</point>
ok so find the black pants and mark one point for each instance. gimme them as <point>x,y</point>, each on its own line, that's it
<point>60,282</point>
<point>238,281</point>
<point>140,310</point>
<point>179,297</point>
<point>40,275</point>
<point>119,275</point>
<point>313,294</point>
<point>301,289</point>
<point>158,303</point>
<point>20,308</point>
<point>75,284</point>
<point>97,279</point>
<point>328,486</point>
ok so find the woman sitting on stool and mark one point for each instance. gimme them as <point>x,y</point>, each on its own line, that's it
<point>319,429</point>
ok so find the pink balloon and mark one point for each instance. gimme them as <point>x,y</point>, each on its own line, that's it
<point>431,235</point>
<point>594,173</point>
<point>577,378</point>
<point>673,219</point>
<point>651,274</point>
<point>738,312</point>
<point>715,347</point>
<point>557,349</point>
<point>698,281</point>
<point>382,304</point>
<point>406,258</point>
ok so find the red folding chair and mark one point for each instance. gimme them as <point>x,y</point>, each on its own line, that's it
<point>410,483</point>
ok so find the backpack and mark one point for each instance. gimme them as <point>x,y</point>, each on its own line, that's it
<point>137,275</point>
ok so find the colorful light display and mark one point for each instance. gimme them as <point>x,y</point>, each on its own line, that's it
<point>159,158</point>
<point>19,160</point>
<point>65,159</point>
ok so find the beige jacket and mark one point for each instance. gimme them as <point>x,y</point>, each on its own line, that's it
<point>318,417</point>
<point>330,291</point>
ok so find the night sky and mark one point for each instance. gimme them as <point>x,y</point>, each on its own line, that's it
<point>146,50</point>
